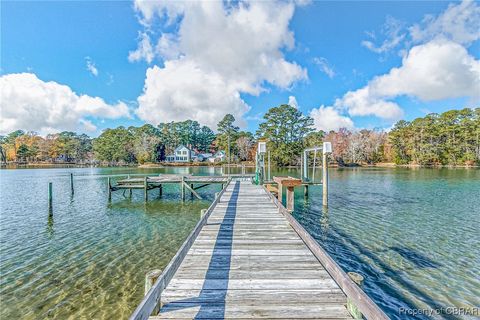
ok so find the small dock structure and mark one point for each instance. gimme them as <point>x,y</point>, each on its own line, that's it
<point>249,258</point>
<point>187,183</point>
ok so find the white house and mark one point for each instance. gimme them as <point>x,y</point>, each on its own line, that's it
<point>181,154</point>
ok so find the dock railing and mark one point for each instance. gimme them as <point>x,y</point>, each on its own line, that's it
<point>353,292</point>
<point>153,296</point>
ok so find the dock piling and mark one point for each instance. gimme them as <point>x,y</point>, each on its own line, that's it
<point>352,308</point>
<point>50,198</point>
<point>109,189</point>
<point>290,198</point>
<point>182,186</point>
<point>146,188</point>
<point>71,183</point>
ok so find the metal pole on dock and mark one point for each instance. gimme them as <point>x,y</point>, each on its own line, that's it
<point>71,183</point>
<point>50,198</point>
<point>325,179</point>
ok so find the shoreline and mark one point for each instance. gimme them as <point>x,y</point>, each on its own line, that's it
<point>209,164</point>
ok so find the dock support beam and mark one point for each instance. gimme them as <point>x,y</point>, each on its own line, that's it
<point>150,279</point>
<point>290,198</point>
<point>160,190</point>
<point>353,309</point>
<point>325,179</point>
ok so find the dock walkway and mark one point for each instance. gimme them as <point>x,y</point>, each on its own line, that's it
<point>248,262</point>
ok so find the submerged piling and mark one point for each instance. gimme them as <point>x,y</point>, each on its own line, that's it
<point>71,183</point>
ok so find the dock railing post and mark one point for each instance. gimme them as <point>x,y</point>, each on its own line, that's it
<point>352,308</point>
<point>150,279</point>
<point>71,183</point>
<point>305,166</point>
<point>325,179</point>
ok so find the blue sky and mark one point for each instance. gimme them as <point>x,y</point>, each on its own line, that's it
<point>311,53</point>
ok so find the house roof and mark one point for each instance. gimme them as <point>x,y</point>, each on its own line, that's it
<point>181,147</point>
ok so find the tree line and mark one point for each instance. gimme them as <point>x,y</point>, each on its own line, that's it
<point>450,138</point>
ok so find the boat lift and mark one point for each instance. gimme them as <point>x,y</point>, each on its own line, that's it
<point>325,149</point>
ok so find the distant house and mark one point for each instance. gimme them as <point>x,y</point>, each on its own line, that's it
<point>202,157</point>
<point>219,156</point>
<point>181,154</point>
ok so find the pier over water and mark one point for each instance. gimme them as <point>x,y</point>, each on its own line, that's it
<point>248,258</point>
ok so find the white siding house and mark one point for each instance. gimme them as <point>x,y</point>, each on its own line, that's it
<point>181,154</point>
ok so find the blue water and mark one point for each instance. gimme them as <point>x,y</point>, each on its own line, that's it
<point>413,234</point>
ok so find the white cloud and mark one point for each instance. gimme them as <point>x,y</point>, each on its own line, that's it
<point>437,70</point>
<point>459,23</point>
<point>91,66</point>
<point>363,103</point>
<point>322,63</point>
<point>394,35</point>
<point>292,101</point>
<point>32,104</point>
<point>181,90</point>
<point>328,118</point>
<point>144,50</point>
<point>235,47</point>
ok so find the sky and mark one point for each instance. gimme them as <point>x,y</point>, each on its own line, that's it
<point>89,65</point>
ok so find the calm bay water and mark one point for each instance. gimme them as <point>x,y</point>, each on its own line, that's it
<point>413,233</point>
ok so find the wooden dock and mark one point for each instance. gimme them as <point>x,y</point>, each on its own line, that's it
<point>248,258</point>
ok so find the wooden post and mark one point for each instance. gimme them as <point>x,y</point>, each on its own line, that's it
<point>145,187</point>
<point>183,188</point>
<point>160,190</point>
<point>325,179</point>
<point>280,191</point>
<point>290,198</point>
<point>50,198</point>
<point>353,309</point>
<point>202,213</point>
<point>305,191</point>
<point>109,186</point>
<point>71,182</point>
<point>191,193</point>
<point>216,194</point>
<point>150,279</point>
